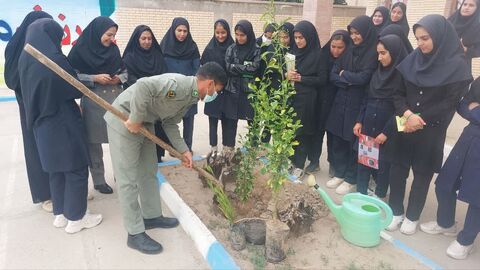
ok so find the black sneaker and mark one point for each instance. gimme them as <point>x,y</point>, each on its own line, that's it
<point>312,167</point>
<point>143,243</point>
<point>160,222</point>
<point>104,188</point>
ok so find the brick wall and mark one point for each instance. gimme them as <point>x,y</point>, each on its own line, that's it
<point>159,15</point>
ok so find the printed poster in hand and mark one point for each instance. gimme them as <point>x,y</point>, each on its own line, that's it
<point>368,151</point>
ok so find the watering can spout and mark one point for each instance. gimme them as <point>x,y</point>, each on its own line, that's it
<point>334,208</point>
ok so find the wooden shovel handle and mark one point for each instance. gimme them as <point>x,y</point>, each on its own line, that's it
<point>107,106</point>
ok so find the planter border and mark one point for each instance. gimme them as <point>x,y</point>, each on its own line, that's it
<point>206,243</point>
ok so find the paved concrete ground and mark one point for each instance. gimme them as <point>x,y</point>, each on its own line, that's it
<point>27,239</point>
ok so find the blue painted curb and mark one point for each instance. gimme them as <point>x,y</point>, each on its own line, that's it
<point>177,161</point>
<point>7,99</point>
<point>212,251</point>
<point>218,257</point>
<point>426,261</point>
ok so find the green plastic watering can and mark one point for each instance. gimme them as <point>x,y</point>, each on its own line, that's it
<point>360,217</point>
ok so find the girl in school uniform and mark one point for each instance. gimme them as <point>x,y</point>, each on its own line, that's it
<point>376,118</point>
<point>99,66</point>
<point>181,56</point>
<point>460,173</point>
<point>242,60</point>
<point>398,15</point>
<point>335,47</point>
<point>37,178</point>
<point>309,76</point>
<point>381,18</point>
<point>54,117</point>
<point>215,52</point>
<point>436,76</point>
<point>466,21</point>
<point>351,74</point>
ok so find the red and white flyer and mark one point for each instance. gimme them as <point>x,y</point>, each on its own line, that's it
<point>368,151</point>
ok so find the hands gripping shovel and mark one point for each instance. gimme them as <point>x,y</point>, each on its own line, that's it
<point>102,103</point>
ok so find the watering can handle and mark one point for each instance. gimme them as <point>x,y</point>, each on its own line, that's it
<point>386,208</point>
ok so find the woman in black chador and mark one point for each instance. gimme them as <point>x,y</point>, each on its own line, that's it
<point>143,56</point>
<point>215,52</point>
<point>242,61</point>
<point>37,178</point>
<point>436,76</point>
<point>99,66</point>
<point>54,117</point>
<point>466,21</point>
<point>309,76</point>
<point>376,118</point>
<point>351,74</point>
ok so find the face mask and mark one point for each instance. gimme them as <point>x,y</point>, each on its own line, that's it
<point>211,98</point>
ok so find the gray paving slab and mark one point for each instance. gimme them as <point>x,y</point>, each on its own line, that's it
<point>29,241</point>
<point>33,243</point>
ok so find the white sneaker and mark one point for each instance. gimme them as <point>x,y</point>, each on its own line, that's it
<point>60,221</point>
<point>47,206</point>
<point>90,196</point>
<point>409,227</point>
<point>88,221</point>
<point>298,174</point>
<point>334,182</point>
<point>458,251</point>
<point>395,223</point>
<point>345,188</point>
<point>432,227</point>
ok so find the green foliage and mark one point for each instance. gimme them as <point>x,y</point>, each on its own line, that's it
<point>224,203</point>
<point>271,102</point>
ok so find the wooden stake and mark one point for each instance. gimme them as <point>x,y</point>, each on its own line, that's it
<point>107,106</point>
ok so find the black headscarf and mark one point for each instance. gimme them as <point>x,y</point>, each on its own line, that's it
<point>215,51</point>
<point>15,47</point>
<point>445,64</point>
<point>386,80</point>
<point>246,50</point>
<point>468,28</point>
<point>361,55</point>
<point>386,17</point>
<point>403,21</point>
<point>326,48</point>
<point>89,56</point>
<point>310,34</point>
<point>288,28</point>
<point>140,62</point>
<point>395,29</point>
<point>473,94</point>
<point>44,91</point>
<point>172,47</point>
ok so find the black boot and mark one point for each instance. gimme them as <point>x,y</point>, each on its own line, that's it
<point>104,188</point>
<point>160,222</point>
<point>143,243</point>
